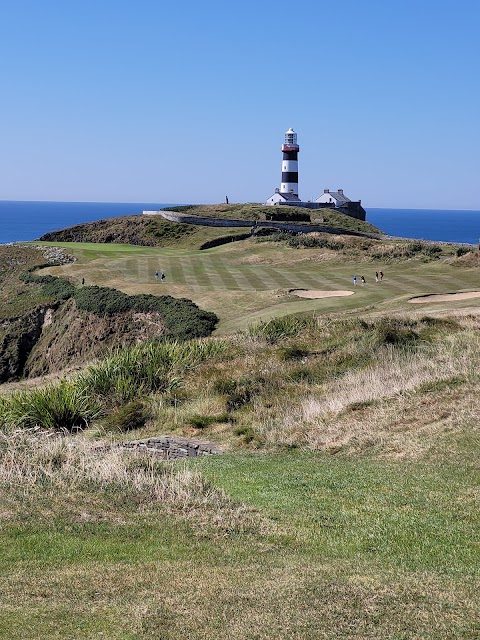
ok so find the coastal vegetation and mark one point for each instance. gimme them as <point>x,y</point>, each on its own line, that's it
<point>148,231</point>
<point>344,504</point>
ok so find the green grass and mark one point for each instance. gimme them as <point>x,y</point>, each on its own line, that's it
<point>414,517</point>
<point>345,549</point>
<point>246,282</point>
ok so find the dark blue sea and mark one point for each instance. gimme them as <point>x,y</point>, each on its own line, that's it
<point>428,224</point>
<point>22,221</point>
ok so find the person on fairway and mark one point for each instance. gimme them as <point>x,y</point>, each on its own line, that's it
<point>354,281</point>
<point>363,280</point>
<point>162,276</point>
<point>156,275</point>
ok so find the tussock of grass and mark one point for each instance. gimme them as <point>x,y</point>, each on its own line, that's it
<point>63,406</point>
<point>110,384</point>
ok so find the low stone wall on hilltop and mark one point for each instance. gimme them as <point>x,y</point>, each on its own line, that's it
<point>174,216</point>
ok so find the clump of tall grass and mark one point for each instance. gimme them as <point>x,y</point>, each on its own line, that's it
<point>30,459</point>
<point>277,329</point>
<point>119,379</point>
<point>394,372</point>
<point>66,469</point>
<point>146,368</point>
<point>63,406</point>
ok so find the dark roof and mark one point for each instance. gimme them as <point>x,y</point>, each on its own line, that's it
<point>289,196</point>
<point>340,197</point>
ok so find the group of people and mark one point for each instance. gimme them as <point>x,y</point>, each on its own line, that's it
<point>162,276</point>
<point>378,276</point>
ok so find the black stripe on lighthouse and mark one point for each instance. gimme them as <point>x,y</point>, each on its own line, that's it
<point>290,176</point>
<point>290,155</point>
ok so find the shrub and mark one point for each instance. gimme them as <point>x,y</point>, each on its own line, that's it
<point>284,213</point>
<point>239,392</point>
<point>102,301</point>
<point>56,288</point>
<point>389,331</point>
<point>182,317</point>
<point>461,251</point>
<point>291,352</point>
<point>247,432</point>
<point>201,422</point>
<point>432,250</point>
<point>132,416</point>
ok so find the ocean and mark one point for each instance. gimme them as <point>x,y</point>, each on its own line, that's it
<point>23,221</point>
<point>428,224</point>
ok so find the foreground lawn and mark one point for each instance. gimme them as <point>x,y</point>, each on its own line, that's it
<point>328,548</point>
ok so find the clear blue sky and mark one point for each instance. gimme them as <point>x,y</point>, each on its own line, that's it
<point>188,101</point>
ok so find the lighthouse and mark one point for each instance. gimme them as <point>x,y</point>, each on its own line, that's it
<point>290,151</point>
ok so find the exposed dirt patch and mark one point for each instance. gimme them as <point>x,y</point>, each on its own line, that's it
<point>445,297</point>
<point>311,293</point>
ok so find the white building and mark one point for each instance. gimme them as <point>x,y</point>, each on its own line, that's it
<point>281,198</point>
<point>336,198</point>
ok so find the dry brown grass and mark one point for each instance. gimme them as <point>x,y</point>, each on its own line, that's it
<point>31,458</point>
<point>63,470</point>
<point>372,407</point>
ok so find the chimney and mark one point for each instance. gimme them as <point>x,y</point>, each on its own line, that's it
<point>326,191</point>
<point>277,190</point>
<point>340,191</point>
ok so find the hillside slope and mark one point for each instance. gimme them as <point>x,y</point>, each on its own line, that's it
<point>148,231</point>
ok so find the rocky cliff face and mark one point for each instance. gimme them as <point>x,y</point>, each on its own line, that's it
<point>52,338</point>
<point>18,338</point>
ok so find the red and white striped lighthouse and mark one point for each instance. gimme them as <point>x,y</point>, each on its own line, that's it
<point>290,151</point>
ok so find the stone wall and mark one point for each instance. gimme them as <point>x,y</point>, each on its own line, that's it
<point>169,447</point>
<point>174,216</point>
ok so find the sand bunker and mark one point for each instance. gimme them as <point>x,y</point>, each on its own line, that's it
<point>307,293</point>
<point>446,297</point>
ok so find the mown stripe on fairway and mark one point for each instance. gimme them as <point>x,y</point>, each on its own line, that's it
<point>435,284</point>
<point>177,275</point>
<point>277,279</point>
<point>201,269</point>
<point>223,271</point>
<point>211,267</point>
<point>319,280</point>
<point>139,267</point>
<point>252,279</point>
<point>456,283</point>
